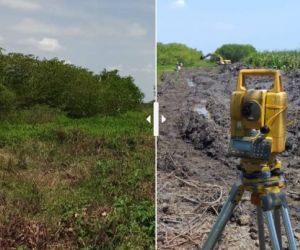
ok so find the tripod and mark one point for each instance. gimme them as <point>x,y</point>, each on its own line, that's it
<point>265,186</point>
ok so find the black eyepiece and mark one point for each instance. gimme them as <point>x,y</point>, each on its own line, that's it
<point>246,109</point>
<point>251,110</point>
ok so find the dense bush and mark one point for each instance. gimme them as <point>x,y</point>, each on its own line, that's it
<point>28,81</point>
<point>7,100</point>
<point>235,52</point>
<point>127,97</point>
<point>285,60</point>
<point>170,54</point>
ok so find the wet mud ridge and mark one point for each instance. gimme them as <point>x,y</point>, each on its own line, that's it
<point>194,172</point>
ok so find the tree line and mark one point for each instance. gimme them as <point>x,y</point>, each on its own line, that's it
<point>26,81</point>
<point>171,53</point>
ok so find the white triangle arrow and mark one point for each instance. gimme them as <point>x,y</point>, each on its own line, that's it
<point>149,118</point>
<point>163,119</point>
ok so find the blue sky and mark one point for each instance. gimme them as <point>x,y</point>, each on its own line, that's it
<point>206,25</point>
<point>95,34</point>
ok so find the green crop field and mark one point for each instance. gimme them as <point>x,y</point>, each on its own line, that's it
<point>285,60</point>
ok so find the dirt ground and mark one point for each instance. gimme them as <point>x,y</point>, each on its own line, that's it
<point>194,172</point>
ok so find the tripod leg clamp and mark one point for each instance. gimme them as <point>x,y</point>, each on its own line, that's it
<point>270,201</point>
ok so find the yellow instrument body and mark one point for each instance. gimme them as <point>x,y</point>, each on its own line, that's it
<point>272,104</point>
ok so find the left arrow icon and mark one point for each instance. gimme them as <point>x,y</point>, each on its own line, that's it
<point>149,118</point>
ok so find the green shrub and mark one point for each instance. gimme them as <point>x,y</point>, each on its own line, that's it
<point>7,100</point>
<point>170,54</point>
<point>235,52</point>
<point>83,98</point>
<point>118,94</point>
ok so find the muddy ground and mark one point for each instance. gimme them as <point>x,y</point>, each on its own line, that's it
<point>194,171</point>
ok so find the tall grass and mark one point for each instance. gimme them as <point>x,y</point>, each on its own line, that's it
<point>285,60</point>
<point>87,183</point>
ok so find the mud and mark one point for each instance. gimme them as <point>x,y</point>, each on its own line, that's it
<point>194,171</point>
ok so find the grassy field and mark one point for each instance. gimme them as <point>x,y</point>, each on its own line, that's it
<point>76,183</point>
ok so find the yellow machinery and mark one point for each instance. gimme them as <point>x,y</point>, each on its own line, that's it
<point>220,60</point>
<point>258,134</point>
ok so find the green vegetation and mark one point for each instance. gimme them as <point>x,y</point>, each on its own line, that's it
<point>285,60</point>
<point>170,54</point>
<point>76,170</point>
<point>27,81</point>
<point>85,183</point>
<point>235,52</point>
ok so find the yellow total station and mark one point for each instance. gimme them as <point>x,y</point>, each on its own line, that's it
<point>258,124</point>
<point>258,116</point>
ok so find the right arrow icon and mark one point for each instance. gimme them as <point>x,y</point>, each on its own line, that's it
<point>163,119</point>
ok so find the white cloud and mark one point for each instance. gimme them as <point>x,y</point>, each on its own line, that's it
<point>67,62</point>
<point>109,28</point>
<point>25,5</point>
<point>45,44</point>
<point>31,26</point>
<point>179,3</point>
<point>49,44</point>
<point>136,30</point>
<point>117,28</point>
<point>1,39</point>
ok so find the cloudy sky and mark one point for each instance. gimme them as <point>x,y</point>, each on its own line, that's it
<point>206,25</point>
<point>95,34</point>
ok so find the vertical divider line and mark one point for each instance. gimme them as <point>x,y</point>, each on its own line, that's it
<point>155,118</point>
<point>156,100</point>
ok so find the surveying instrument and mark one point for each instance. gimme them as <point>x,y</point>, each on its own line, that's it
<point>258,124</point>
